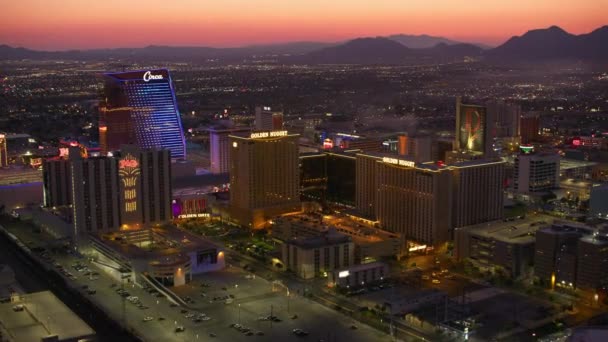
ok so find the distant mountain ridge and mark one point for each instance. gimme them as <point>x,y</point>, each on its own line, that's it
<point>425,41</point>
<point>551,44</point>
<point>539,45</point>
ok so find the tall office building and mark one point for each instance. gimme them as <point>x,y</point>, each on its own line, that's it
<point>366,184</point>
<point>219,148</point>
<point>264,180</point>
<point>536,172</point>
<point>503,119</point>
<point>268,120</point>
<point>478,192</point>
<point>145,186</point>
<point>57,182</point>
<point>530,126</point>
<point>95,194</point>
<point>473,139</point>
<point>131,189</point>
<point>139,108</point>
<point>3,151</point>
<point>592,265</point>
<point>418,148</point>
<point>414,200</point>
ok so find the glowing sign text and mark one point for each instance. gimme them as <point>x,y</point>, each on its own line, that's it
<point>125,163</point>
<point>148,76</point>
<point>268,134</point>
<point>399,162</point>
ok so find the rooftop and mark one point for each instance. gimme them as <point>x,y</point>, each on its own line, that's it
<point>43,315</point>
<point>520,231</point>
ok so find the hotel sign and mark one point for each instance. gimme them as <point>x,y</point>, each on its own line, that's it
<point>270,134</point>
<point>148,76</point>
<point>399,162</point>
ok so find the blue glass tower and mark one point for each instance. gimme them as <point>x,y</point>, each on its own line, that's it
<point>139,108</point>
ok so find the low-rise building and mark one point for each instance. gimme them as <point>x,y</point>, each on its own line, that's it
<point>43,317</point>
<point>358,274</point>
<point>505,244</point>
<point>315,256</point>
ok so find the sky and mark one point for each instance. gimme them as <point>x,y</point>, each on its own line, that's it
<point>84,24</point>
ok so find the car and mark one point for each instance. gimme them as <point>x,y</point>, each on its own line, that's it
<point>212,335</point>
<point>92,291</point>
<point>249,333</point>
<point>294,317</point>
<point>18,307</point>
<point>425,277</point>
<point>143,307</point>
<point>353,327</point>
<point>84,287</point>
<point>161,318</point>
<point>190,315</point>
<point>260,333</point>
<point>179,329</point>
<point>184,311</point>
<point>173,305</point>
<point>436,281</point>
<point>197,320</point>
<point>159,295</point>
<point>113,285</point>
<point>148,319</point>
<point>300,332</point>
<point>206,318</point>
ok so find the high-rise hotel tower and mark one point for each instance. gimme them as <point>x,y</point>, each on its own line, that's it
<point>139,107</point>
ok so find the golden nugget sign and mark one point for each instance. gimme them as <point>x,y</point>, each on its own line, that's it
<point>399,162</point>
<point>270,134</point>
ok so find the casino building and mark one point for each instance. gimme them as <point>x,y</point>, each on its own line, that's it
<point>139,107</point>
<point>264,179</point>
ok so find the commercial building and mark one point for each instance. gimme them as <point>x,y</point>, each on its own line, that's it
<point>417,148</point>
<point>329,176</point>
<point>472,130</point>
<point>529,128</point>
<point>598,201</point>
<point>536,172</point>
<point>358,275</point>
<point>557,250</point>
<point>95,190</point>
<point>139,108</point>
<point>57,182</point>
<point>370,243</point>
<point>592,265</point>
<point>44,318</point>
<point>504,119</point>
<point>268,120</point>
<point>131,189</point>
<point>264,180</point>
<point>167,255</point>
<point>414,200</point>
<point>219,147</point>
<point>508,245</point>
<point>313,257</point>
<point>3,151</point>
<point>478,192</point>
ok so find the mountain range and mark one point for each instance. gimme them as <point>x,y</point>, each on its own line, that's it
<point>552,43</point>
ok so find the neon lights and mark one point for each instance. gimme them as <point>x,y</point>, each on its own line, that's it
<point>129,173</point>
<point>148,76</point>
<point>526,149</point>
<point>399,162</point>
<point>343,274</point>
<point>128,163</point>
<point>270,134</point>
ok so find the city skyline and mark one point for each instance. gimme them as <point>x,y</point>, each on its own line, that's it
<point>75,25</point>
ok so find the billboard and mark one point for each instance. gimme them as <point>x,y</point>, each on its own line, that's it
<point>471,133</point>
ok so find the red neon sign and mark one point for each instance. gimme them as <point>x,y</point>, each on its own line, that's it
<point>127,163</point>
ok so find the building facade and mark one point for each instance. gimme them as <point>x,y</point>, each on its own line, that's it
<point>478,192</point>
<point>139,108</point>
<point>57,182</point>
<point>264,180</point>
<point>268,120</point>
<point>536,172</point>
<point>219,148</point>
<point>313,257</point>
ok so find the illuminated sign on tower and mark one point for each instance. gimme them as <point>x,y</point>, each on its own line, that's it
<point>471,133</point>
<point>128,170</point>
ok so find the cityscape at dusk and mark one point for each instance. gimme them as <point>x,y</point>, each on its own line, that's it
<point>304,171</point>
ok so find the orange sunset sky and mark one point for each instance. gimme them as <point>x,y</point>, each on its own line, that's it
<point>66,24</point>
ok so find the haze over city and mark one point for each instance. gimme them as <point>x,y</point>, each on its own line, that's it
<point>73,24</point>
